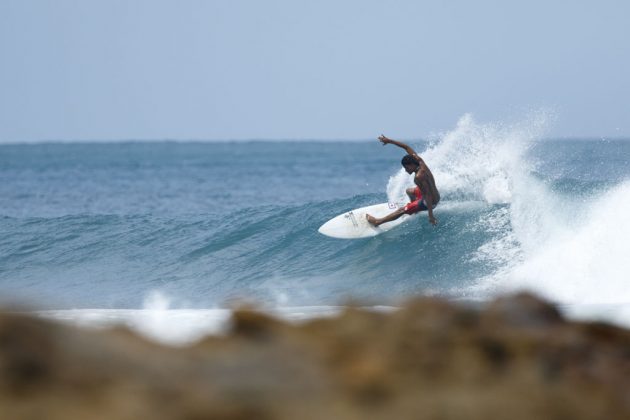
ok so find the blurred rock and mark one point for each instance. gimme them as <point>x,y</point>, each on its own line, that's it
<point>516,358</point>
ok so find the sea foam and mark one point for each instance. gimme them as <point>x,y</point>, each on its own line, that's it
<point>571,249</point>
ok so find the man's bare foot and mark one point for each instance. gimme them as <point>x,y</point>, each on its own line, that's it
<point>372,220</point>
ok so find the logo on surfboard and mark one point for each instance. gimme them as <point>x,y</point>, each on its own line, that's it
<point>353,219</point>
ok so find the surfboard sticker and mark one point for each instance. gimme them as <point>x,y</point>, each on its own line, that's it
<point>350,216</point>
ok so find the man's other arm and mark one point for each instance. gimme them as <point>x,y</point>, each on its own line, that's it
<point>402,145</point>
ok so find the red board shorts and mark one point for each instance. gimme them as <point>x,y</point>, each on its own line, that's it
<point>418,204</point>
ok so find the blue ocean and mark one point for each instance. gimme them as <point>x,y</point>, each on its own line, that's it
<point>196,226</point>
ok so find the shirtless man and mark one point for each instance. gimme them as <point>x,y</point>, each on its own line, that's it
<point>425,196</point>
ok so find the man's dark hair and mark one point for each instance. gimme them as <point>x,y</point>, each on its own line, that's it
<point>409,160</point>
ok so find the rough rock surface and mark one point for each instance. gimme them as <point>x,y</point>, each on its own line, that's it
<point>516,358</point>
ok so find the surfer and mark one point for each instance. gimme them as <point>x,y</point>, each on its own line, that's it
<point>425,196</point>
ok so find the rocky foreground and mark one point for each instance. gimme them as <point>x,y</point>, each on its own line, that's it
<point>517,358</point>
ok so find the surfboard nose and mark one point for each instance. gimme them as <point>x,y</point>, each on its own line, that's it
<point>327,228</point>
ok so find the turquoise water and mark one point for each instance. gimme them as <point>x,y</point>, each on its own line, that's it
<point>105,225</point>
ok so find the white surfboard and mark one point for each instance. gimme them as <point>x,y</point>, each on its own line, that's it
<point>353,224</point>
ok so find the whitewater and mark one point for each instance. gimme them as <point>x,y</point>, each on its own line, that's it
<point>166,237</point>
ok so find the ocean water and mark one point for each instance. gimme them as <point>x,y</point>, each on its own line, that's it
<point>108,232</point>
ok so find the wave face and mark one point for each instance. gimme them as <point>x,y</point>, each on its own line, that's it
<point>105,225</point>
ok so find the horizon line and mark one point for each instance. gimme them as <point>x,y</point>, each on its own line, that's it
<point>268,140</point>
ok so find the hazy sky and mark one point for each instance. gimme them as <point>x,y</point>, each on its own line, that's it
<point>236,69</point>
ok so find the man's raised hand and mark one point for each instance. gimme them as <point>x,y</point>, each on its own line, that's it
<point>384,140</point>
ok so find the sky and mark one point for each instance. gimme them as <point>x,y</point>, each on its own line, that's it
<point>296,69</point>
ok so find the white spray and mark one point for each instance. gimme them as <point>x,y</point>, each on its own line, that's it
<point>569,251</point>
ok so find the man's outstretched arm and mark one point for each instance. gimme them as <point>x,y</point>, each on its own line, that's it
<point>400,144</point>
